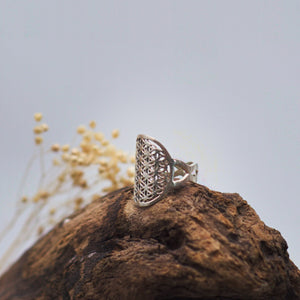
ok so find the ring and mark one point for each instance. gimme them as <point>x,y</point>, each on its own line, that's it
<point>155,173</point>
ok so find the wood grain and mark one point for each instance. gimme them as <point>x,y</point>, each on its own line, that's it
<point>194,244</point>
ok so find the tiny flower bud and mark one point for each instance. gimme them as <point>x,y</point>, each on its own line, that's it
<point>115,133</point>
<point>92,124</point>
<point>24,199</point>
<point>83,183</point>
<point>40,230</point>
<point>81,129</point>
<point>74,151</point>
<point>74,159</point>
<point>65,148</point>
<point>36,198</point>
<point>80,161</point>
<point>37,129</point>
<point>44,194</point>
<point>38,117</point>
<point>104,142</point>
<point>52,211</point>
<point>101,169</point>
<point>45,127</point>
<point>55,162</point>
<point>130,171</point>
<point>78,201</point>
<point>87,136</point>
<point>61,177</point>
<point>99,136</point>
<point>95,197</point>
<point>103,162</point>
<point>55,147</point>
<point>38,140</point>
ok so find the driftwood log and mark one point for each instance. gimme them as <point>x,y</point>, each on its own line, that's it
<point>194,244</point>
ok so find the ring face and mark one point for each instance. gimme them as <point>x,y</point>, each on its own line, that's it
<point>153,171</point>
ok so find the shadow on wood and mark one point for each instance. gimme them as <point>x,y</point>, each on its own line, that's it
<point>194,244</point>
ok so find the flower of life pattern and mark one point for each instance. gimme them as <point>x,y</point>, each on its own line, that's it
<point>152,171</point>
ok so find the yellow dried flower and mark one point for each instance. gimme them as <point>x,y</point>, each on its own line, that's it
<point>75,164</point>
<point>115,133</point>
<point>99,136</point>
<point>127,181</point>
<point>100,152</point>
<point>38,117</point>
<point>83,183</point>
<point>44,194</point>
<point>65,157</point>
<point>116,170</point>
<point>78,201</point>
<point>103,162</point>
<point>110,150</point>
<point>130,172</point>
<point>112,163</point>
<point>75,151</point>
<point>95,148</point>
<point>45,127</point>
<point>37,129</point>
<point>40,230</point>
<point>85,146</point>
<point>83,156</point>
<point>62,177</point>
<point>51,221</point>
<point>104,142</point>
<point>111,188</point>
<point>24,199</point>
<point>65,148</point>
<point>76,173</point>
<point>110,176</point>
<point>38,140</point>
<point>122,157</point>
<point>87,136</point>
<point>55,147</point>
<point>52,211</point>
<point>89,160</point>
<point>80,161</point>
<point>101,169</point>
<point>92,124</point>
<point>36,198</point>
<point>55,162</point>
<point>73,159</point>
<point>95,197</point>
<point>81,129</point>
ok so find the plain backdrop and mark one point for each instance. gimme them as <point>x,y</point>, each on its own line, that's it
<point>217,82</point>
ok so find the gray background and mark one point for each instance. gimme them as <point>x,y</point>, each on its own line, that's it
<point>216,82</point>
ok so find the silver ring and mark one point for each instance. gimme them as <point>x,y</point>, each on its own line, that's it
<point>155,171</point>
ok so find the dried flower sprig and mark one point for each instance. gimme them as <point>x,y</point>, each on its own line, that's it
<point>78,174</point>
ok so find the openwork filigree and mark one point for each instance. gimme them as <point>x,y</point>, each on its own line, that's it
<point>155,171</point>
<point>152,169</point>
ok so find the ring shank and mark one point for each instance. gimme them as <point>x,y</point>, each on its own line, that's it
<point>191,172</point>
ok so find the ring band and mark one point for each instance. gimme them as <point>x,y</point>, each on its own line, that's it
<point>155,171</point>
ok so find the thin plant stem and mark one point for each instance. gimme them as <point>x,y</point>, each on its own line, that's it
<point>42,166</point>
<point>26,173</point>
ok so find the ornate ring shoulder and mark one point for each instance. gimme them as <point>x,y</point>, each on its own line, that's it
<point>155,171</point>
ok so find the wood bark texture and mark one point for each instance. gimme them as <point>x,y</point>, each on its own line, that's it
<point>194,244</point>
